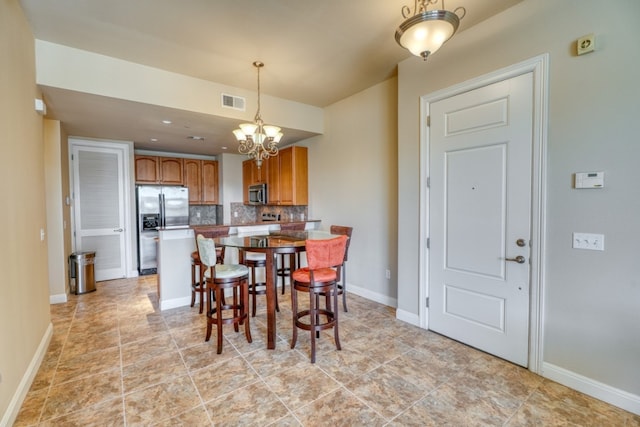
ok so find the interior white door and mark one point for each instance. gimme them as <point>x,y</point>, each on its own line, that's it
<point>480,158</point>
<point>99,210</point>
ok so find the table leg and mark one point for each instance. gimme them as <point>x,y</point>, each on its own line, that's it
<point>270,272</point>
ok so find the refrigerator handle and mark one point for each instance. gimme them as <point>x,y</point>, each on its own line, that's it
<point>162,213</point>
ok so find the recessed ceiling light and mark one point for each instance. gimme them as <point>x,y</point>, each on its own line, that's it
<point>166,122</point>
<point>154,140</point>
<point>224,148</point>
<point>196,138</point>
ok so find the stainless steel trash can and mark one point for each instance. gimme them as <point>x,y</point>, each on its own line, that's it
<point>81,269</point>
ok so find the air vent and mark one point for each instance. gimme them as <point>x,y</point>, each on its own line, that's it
<point>235,102</point>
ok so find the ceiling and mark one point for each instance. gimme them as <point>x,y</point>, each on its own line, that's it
<point>315,52</point>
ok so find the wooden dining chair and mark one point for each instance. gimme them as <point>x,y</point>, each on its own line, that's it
<point>197,283</point>
<point>254,260</point>
<point>218,278</point>
<point>342,283</point>
<point>288,262</point>
<point>318,279</point>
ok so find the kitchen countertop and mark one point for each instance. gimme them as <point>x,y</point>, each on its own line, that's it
<point>250,224</point>
<point>246,224</point>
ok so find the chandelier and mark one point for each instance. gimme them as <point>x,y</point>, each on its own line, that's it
<point>257,140</point>
<point>423,32</point>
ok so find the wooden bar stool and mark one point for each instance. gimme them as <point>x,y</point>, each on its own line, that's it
<point>319,278</point>
<point>218,278</point>
<point>282,269</point>
<point>342,280</point>
<point>255,260</point>
<point>197,284</point>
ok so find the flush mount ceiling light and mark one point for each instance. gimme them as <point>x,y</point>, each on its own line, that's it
<point>257,140</point>
<point>423,32</point>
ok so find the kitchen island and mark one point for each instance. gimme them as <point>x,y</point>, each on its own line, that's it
<point>175,246</point>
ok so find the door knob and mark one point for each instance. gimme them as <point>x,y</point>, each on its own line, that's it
<point>521,242</point>
<point>519,259</point>
<point>118,230</point>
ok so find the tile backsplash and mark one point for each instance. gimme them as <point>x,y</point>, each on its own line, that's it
<point>205,214</point>
<point>248,214</point>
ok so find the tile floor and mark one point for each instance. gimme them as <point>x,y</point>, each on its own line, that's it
<point>116,360</point>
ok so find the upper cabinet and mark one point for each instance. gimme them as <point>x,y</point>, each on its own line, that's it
<point>200,176</point>
<point>252,174</point>
<point>159,170</point>
<point>171,171</point>
<point>209,182</point>
<point>147,169</point>
<point>293,177</point>
<point>193,179</point>
<point>286,176</point>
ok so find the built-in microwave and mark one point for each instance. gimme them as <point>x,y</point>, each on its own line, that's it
<point>258,194</point>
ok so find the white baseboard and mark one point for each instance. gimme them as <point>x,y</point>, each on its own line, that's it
<point>17,400</point>
<point>620,398</point>
<point>58,298</point>
<point>405,316</point>
<point>373,296</point>
<point>174,303</point>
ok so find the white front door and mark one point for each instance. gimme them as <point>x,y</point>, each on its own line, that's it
<point>480,162</point>
<point>99,211</point>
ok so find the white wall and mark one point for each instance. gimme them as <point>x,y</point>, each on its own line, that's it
<point>591,299</point>
<point>230,172</point>
<point>352,182</point>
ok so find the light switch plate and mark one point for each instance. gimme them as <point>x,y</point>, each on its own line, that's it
<point>589,241</point>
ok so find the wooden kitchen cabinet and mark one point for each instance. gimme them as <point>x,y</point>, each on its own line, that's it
<point>251,175</point>
<point>147,169</point>
<point>209,182</point>
<point>201,177</point>
<point>158,170</point>
<point>171,171</point>
<point>193,179</point>
<point>289,186</point>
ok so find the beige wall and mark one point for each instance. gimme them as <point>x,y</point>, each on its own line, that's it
<point>591,299</point>
<point>352,181</point>
<point>24,290</point>
<point>56,155</point>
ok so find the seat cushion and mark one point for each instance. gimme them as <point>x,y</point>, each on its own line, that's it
<point>255,256</point>
<point>228,271</point>
<point>319,275</point>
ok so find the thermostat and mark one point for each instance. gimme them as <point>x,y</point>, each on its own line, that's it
<point>589,180</point>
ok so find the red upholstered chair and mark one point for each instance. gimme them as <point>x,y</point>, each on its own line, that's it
<point>319,278</point>
<point>283,270</point>
<point>218,278</point>
<point>197,284</point>
<point>342,283</point>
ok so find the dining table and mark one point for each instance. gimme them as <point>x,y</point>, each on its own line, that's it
<point>271,243</point>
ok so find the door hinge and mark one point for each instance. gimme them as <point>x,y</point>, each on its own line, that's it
<point>427,301</point>
<point>428,182</point>
<point>428,243</point>
<point>428,121</point>
<point>72,157</point>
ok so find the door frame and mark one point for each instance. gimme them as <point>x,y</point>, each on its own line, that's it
<point>126,150</point>
<point>539,66</point>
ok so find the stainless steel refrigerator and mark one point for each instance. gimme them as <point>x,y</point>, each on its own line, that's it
<point>158,206</point>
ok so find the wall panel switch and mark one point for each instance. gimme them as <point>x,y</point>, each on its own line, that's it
<point>593,242</point>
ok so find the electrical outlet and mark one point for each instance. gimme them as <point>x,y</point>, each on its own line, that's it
<point>593,242</point>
